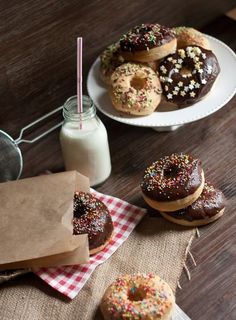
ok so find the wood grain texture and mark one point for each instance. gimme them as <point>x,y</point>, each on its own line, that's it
<point>38,73</point>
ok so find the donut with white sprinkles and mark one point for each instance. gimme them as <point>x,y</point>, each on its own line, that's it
<point>188,75</point>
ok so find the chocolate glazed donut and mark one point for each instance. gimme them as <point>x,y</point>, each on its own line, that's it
<point>207,208</point>
<point>146,36</point>
<point>172,182</point>
<point>188,75</point>
<point>91,216</point>
<point>147,42</point>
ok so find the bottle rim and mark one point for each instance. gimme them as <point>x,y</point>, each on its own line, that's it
<point>70,111</point>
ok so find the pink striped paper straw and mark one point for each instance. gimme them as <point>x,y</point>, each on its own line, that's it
<point>79,75</point>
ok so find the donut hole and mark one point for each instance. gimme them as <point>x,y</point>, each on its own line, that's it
<point>79,208</point>
<point>171,171</point>
<point>186,71</point>
<point>138,83</point>
<point>136,294</point>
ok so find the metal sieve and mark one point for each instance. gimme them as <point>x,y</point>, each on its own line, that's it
<point>11,161</point>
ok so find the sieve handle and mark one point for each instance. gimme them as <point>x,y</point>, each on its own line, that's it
<point>20,140</point>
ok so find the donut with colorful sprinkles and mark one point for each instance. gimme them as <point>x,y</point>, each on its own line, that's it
<point>188,75</point>
<point>91,216</point>
<point>148,42</point>
<point>207,208</point>
<point>135,89</point>
<point>137,297</point>
<point>173,182</point>
<point>110,59</point>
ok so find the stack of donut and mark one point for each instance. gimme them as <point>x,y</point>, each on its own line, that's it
<point>152,61</point>
<point>175,185</point>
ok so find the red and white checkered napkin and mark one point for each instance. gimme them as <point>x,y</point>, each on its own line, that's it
<point>70,280</point>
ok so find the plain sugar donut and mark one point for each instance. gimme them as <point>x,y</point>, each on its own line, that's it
<point>135,89</point>
<point>190,37</point>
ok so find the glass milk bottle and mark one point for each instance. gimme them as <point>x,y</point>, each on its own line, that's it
<point>84,141</point>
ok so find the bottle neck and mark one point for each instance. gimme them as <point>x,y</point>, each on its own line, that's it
<point>71,112</point>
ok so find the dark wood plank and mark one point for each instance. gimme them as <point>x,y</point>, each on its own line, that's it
<point>38,73</point>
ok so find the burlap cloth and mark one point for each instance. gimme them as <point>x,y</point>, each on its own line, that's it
<point>155,246</point>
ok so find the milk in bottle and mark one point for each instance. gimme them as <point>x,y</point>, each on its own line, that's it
<point>84,141</point>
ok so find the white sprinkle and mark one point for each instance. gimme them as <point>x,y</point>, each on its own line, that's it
<point>176,88</point>
<point>182,93</point>
<point>192,94</point>
<point>197,85</point>
<point>203,81</point>
<point>192,81</point>
<point>209,69</point>
<point>191,55</point>
<point>186,88</point>
<point>169,96</point>
<point>169,80</point>
<point>200,71</point>
<point>197,50</point>
<point>175,93</point>
<point>191,86</point>
<point>176,70</point>
<point>180,84</point>
<point>163,69</point>
<point>180,61</point>
<point>203,55</point>
<point>170,59</point>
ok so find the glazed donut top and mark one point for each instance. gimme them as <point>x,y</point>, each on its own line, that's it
<point>210,203</point>
<point>145,37</point>
<point>130,97</point>
<point>139,296</point>
<point>172,177</point>
<point>91,216</point>
<point>201,69</point>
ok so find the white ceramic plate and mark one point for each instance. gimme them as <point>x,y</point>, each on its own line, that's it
<point>224,89</point>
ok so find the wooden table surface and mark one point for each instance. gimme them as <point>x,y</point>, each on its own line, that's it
<point>38,73</point>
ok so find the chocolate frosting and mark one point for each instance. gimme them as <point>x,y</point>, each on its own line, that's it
<point>187,88</point>
<point>172,177</point>
<point>91,216</point>
<point>210,202</point>
<point>145,37</point>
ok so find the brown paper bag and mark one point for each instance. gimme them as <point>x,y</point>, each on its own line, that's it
<point>36,222</point>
